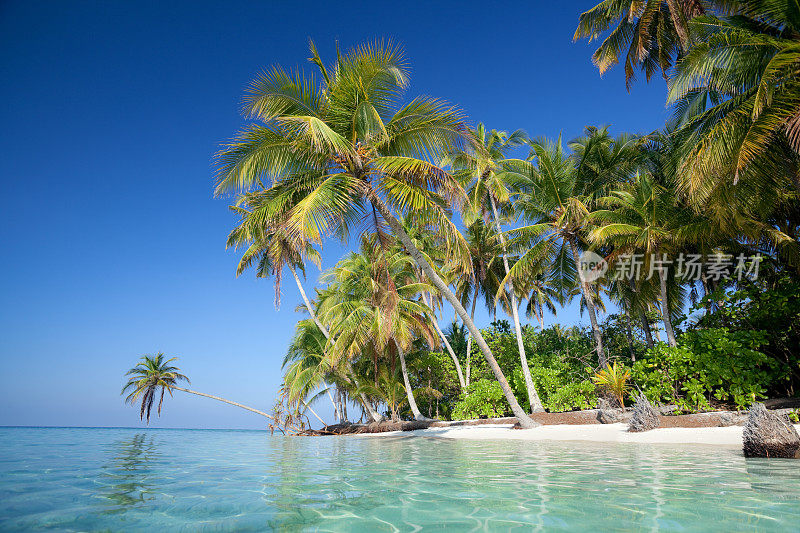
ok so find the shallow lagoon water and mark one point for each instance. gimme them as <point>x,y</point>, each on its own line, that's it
<point>76,479</point>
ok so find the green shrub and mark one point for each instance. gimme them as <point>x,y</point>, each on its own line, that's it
<point>708,364</point>
<point>485,397</point>
<point>558,389</point>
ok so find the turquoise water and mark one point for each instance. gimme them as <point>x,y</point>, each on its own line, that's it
<point>130,479</point>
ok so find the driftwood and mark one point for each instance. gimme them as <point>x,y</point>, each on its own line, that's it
<point>767,434</point>
<point>644,417</point>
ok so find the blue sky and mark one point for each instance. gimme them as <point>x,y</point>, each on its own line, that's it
<point>112,242</point>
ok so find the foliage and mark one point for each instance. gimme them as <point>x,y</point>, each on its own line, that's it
<point>560,391</point>
<point>614,379</point>
<point>483,398</point>
<point>152,376</point>
<point>711,365</point>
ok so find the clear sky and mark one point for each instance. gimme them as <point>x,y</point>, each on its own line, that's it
<point>113,245</point>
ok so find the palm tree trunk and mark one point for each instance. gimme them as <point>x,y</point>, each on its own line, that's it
<point>524,420</point>
<point>368,406</point>
<point>308,303</point>
<point>648,335</point>
<point>469,337</point>
<point>598,338</point>
<point>628,332</point>
<point>336,412</point>
<point>313,412</point>
<point>409,393</point>
<point>262,413</point>
<point>665,310</point>
<point>446,343</point>
<point>533,396</point>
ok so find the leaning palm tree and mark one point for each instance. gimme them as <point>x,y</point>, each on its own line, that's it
<point>343,151</point>
<point>649,33</point>
<point>482,169</point>
<point>153,376</point>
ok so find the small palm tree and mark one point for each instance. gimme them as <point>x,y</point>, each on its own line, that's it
<point>150,378</point>
<point>153,376</point>
<point>614,379</point>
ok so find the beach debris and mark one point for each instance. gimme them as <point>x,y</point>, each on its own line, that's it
<point>768,434</point>
<point>644,417</point>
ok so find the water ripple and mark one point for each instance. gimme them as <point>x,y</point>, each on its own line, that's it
<point>132,480</point>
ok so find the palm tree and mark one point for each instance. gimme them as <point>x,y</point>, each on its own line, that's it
<point>153,376</point>
<point>556,198</point>
<point>654,32</point>
<point>373,309</point>
<point>430,247</point>
<point>269,247</point>
<point>645,217</point>
<point>482,169</point>
<point>486,273</point>
<point>735,97</point>
<point>542,294</point>
<point>340,151</point>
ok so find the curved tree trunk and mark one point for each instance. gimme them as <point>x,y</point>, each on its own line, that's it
<point>524,420</point>
<point>262,413</point>
<point>587,296</point>
<point>446,343</point>
<point>310,309</point>
<point>469,337</point>
<point>665,308</point>
<point>533,396</point>
<point>409,393</point>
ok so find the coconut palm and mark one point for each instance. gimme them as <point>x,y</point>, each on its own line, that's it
<point>486,273</point>
<point>482,168</point>
<point>342,150</point>
<point>542,294</point>
<point>430,247</point>
<point>153,376</point>
<point>736,96</point>
<point>556,194</point>
<point>373,309</point>
<point>649,33</point>
<point>645,217</point>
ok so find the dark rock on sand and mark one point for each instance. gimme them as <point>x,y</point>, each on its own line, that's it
<point>767,434</point>
<point>613,416</point>
<point>644,417</point>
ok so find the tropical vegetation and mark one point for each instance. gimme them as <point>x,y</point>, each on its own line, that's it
<point>695,299</point>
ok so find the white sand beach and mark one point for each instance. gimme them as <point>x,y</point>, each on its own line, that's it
<point>720,436</point>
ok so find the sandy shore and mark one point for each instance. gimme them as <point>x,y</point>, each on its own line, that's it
<point>720,436</point>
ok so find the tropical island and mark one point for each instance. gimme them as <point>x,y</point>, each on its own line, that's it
<point>378,267</point>
<point>681,245</point>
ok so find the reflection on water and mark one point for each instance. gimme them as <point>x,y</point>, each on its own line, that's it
<point>125,480</point>
<point>229,480</point>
